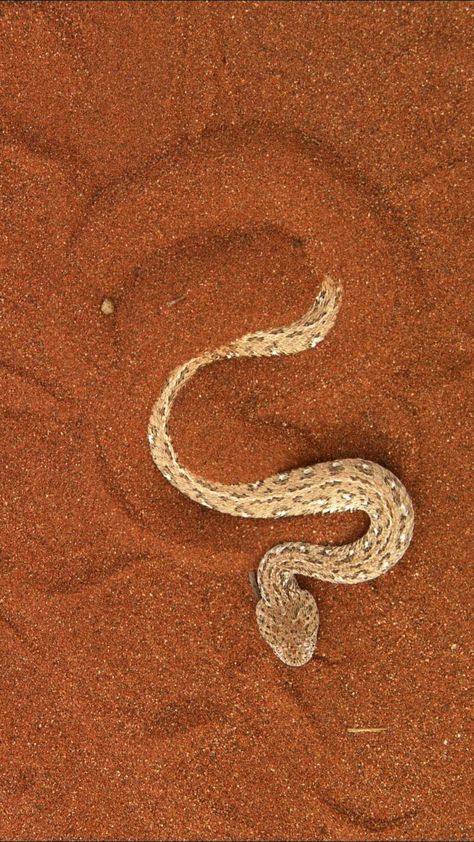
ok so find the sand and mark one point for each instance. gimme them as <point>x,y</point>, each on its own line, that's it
<point>164,166</point>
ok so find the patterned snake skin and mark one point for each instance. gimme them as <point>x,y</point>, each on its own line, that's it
<point>287,616</point>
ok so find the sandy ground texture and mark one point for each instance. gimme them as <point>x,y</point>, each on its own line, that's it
<point>176,158</point>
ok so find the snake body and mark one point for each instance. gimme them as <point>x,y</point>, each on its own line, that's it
<point>287,615</point>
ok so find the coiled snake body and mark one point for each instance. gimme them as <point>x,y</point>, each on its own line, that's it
<point>287,616</point>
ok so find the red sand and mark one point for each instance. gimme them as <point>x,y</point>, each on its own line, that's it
<point>173,157</point>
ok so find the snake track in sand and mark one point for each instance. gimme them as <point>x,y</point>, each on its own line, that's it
<point>287,616</point>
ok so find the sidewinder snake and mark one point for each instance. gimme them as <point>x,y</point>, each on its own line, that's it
<point>287,615</point>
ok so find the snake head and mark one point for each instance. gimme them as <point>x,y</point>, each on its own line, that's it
<point>290,627</point>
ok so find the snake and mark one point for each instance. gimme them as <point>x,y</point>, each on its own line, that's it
<point>287,615</point>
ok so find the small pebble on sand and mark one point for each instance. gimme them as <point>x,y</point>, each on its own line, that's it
<point>107,307</point>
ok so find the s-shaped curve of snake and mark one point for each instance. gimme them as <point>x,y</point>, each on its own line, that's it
<point>287,615</point>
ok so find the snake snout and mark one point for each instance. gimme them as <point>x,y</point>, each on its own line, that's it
<point>290,629</point>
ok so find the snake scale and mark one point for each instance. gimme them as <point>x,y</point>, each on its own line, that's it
<point>287,615</point>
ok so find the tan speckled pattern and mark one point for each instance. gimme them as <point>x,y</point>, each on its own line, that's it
<point>287,616</point>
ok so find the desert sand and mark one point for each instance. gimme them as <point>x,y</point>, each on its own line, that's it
<point>173,160</point>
